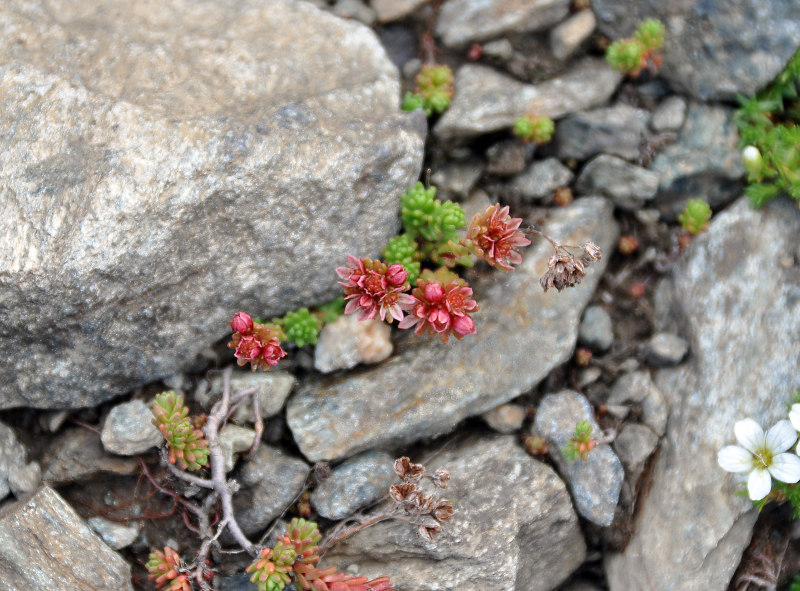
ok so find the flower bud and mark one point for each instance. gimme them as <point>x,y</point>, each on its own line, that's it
<point>434,293</point>
<point>242,323</point>
<point>751,158</point>
<point>396,275</point>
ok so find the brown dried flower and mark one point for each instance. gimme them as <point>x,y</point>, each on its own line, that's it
<point>408,470</point>
<point>440,477</point>
<point>443,510</point>
<point>564,269</point>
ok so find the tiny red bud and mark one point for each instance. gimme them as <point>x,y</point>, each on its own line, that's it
<point>583,356</point>
<point>627,244</point>
<point>475,52</point>
<point>637,290</point>
<point>242,323</point>
<point>396,275</point>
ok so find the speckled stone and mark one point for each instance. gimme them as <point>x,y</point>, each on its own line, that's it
<point>348,341</point>
<point>356,483</point>
<point>665,348</point>
<point>273,389</point>
<point>506,418</point>
<point>129,429</point>
<point>568,36</point>
<point>596,330</point>
<point>627,185</point>
<point>638,388</point>
<point>542,178</point>
<point>669,115</point>
<point>116,535</point>
<point>17,475</point>
<point>615,130</point>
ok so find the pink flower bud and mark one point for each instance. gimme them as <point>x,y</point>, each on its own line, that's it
<point>434,293</point>
<point>396,275</point>
<point>242,323</point>
<point>463,325</point>
<point>249,348</point>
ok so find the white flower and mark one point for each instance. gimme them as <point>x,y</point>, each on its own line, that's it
<point>762,455</point>
<point>794,416</point>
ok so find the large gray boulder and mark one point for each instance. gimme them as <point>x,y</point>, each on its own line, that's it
<point>735,296</point>
<point>716,48</point>
<point>167,163</point>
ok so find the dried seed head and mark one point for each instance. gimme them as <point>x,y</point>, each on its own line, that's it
<point>443,510</point>
<point>440,478</point>
<point>592,251</point>
<point>407,470</point>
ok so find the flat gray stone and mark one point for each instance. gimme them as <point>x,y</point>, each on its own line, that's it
<point>542,178</point>
<point>568,36</point>
<point>356,483</point>
<point>595,482</point>
<point>506,418</point>
<point>596,331</point>
<point>664,348</point>
<point>270,482</point>
<point>458,177</point>
<point>704,163</point>
<point>634,445</point>
<point>273,389</point>
<point>508,157</point>
<point>355,9</point>
<point>513,528</point>
<point>160,174</point>
<point>464,21</point>
<point>17,476</point>
<point>488,101</point>
<point>129,429</point>
<point>522,333</point>
<point>627,185</point>
<point>77,454</point>
<point>616,130</point>
<point>348,341</point>
<point>714,49</point>
<point>392,10</point>
<point>44,544</point>
<point>234,440</point>
<point>737,305</point>
<point>638,388</point>
<point>117,535</point>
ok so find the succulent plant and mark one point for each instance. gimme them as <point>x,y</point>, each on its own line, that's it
<point>695,216</point>
<point>534,128</point>
<point>402,249</point>
<point>300,326</point>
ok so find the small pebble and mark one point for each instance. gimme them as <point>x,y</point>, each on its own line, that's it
<point>506,418</point>
<point>356,483</point>
<point>508,157</point>
<point>589,376</point>
<point>542,178</point>
<point>570,34</point>
<point>458,177</point>
<point>234,440</point>
<point>501,49</point>
<point>634,444</point>
<point>355,9</point>
<point>117,535</point>
<point>348,341</point>
<point>665,349</point>
<point>129,429</point>
<point>670,115</point>
<point>595,329</point>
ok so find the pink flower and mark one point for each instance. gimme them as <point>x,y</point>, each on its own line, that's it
<point>373,289</point>
<point>442,303</point>
<point>494,237</point>
<point>258,345</point>
<point>242,322</point>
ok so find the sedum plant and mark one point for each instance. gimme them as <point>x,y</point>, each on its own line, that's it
<point>166,571</point>
<point>695,216</point>
<point>770,137</point>
<point>534,128</point>
<point>633,54</point>
<point>187,447</point>
<point>300,326</point>
<point>581,442</point>
<point>434,90</point>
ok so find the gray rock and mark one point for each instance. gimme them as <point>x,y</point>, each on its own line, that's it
<point>44,544</point>
<point>713,49</point>
<point>77,454</point>
<point>541,178</point>
<point>638,388</point>
<point>513,528</point>
<point>665,348</point>
<point>595,330</point>
<point>273,390</point>
<point>158,174</point>
<point>506,418</point>
<point>616,130</point>
<point>464,21</point>
<point>737,306</point>
<point>500,49</point>
<point>356,483</point>
<point>355,9</point>
<point>270,482</point>
<point>595,482</point>
<point>458,177</point>
<point>568,36</point>
<point>508,157</point>
<point>487,100</point>
<point>670,115</point>
<point>117,535</point>
<point>704,163</point>
<point>129,429</point>
<point>16,474</point>
<point>53,420</point>
<point>234,440</point>
<point>347,341</point>
<point>627,185</point>
<point>634,445</point>
<point>522,333</point>
<point>392,10</point>
<point>589,376</point>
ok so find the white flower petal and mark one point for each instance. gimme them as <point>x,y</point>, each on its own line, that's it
<point>794,416</point>
<point>733,458</point>
<point>759,484</point>
<point>749,434</point>
<point>780,437</point>
<point>786,468</point>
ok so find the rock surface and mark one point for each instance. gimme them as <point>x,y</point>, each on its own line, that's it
<point>117,535</point>
<point>166,163</point>
<point>347,341</point>
<point>44,544</point>
<point>487,100</point>
<point>595,482</point>
<point>17,475</point>
<point>616,130</point>
<point>77,454</point>
<point>569,35</point>
<point>627,185</point>
<point>428,387</point>
<point>705,162</point>
<point>716,48</point>
<point>595,330</point>
<point>464,21</point>
<point>506,418</point>
<point>356,483</point>
<point>273,389</point>
<point>541,178</point>
<point>533,543</point>
<point>737,305</point>
<point>129,429</point>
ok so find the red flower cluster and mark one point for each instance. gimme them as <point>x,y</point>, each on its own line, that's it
<point>256,344</point>
<point>373,288</point>
<point>494,237</point>
<point>442,303</point>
